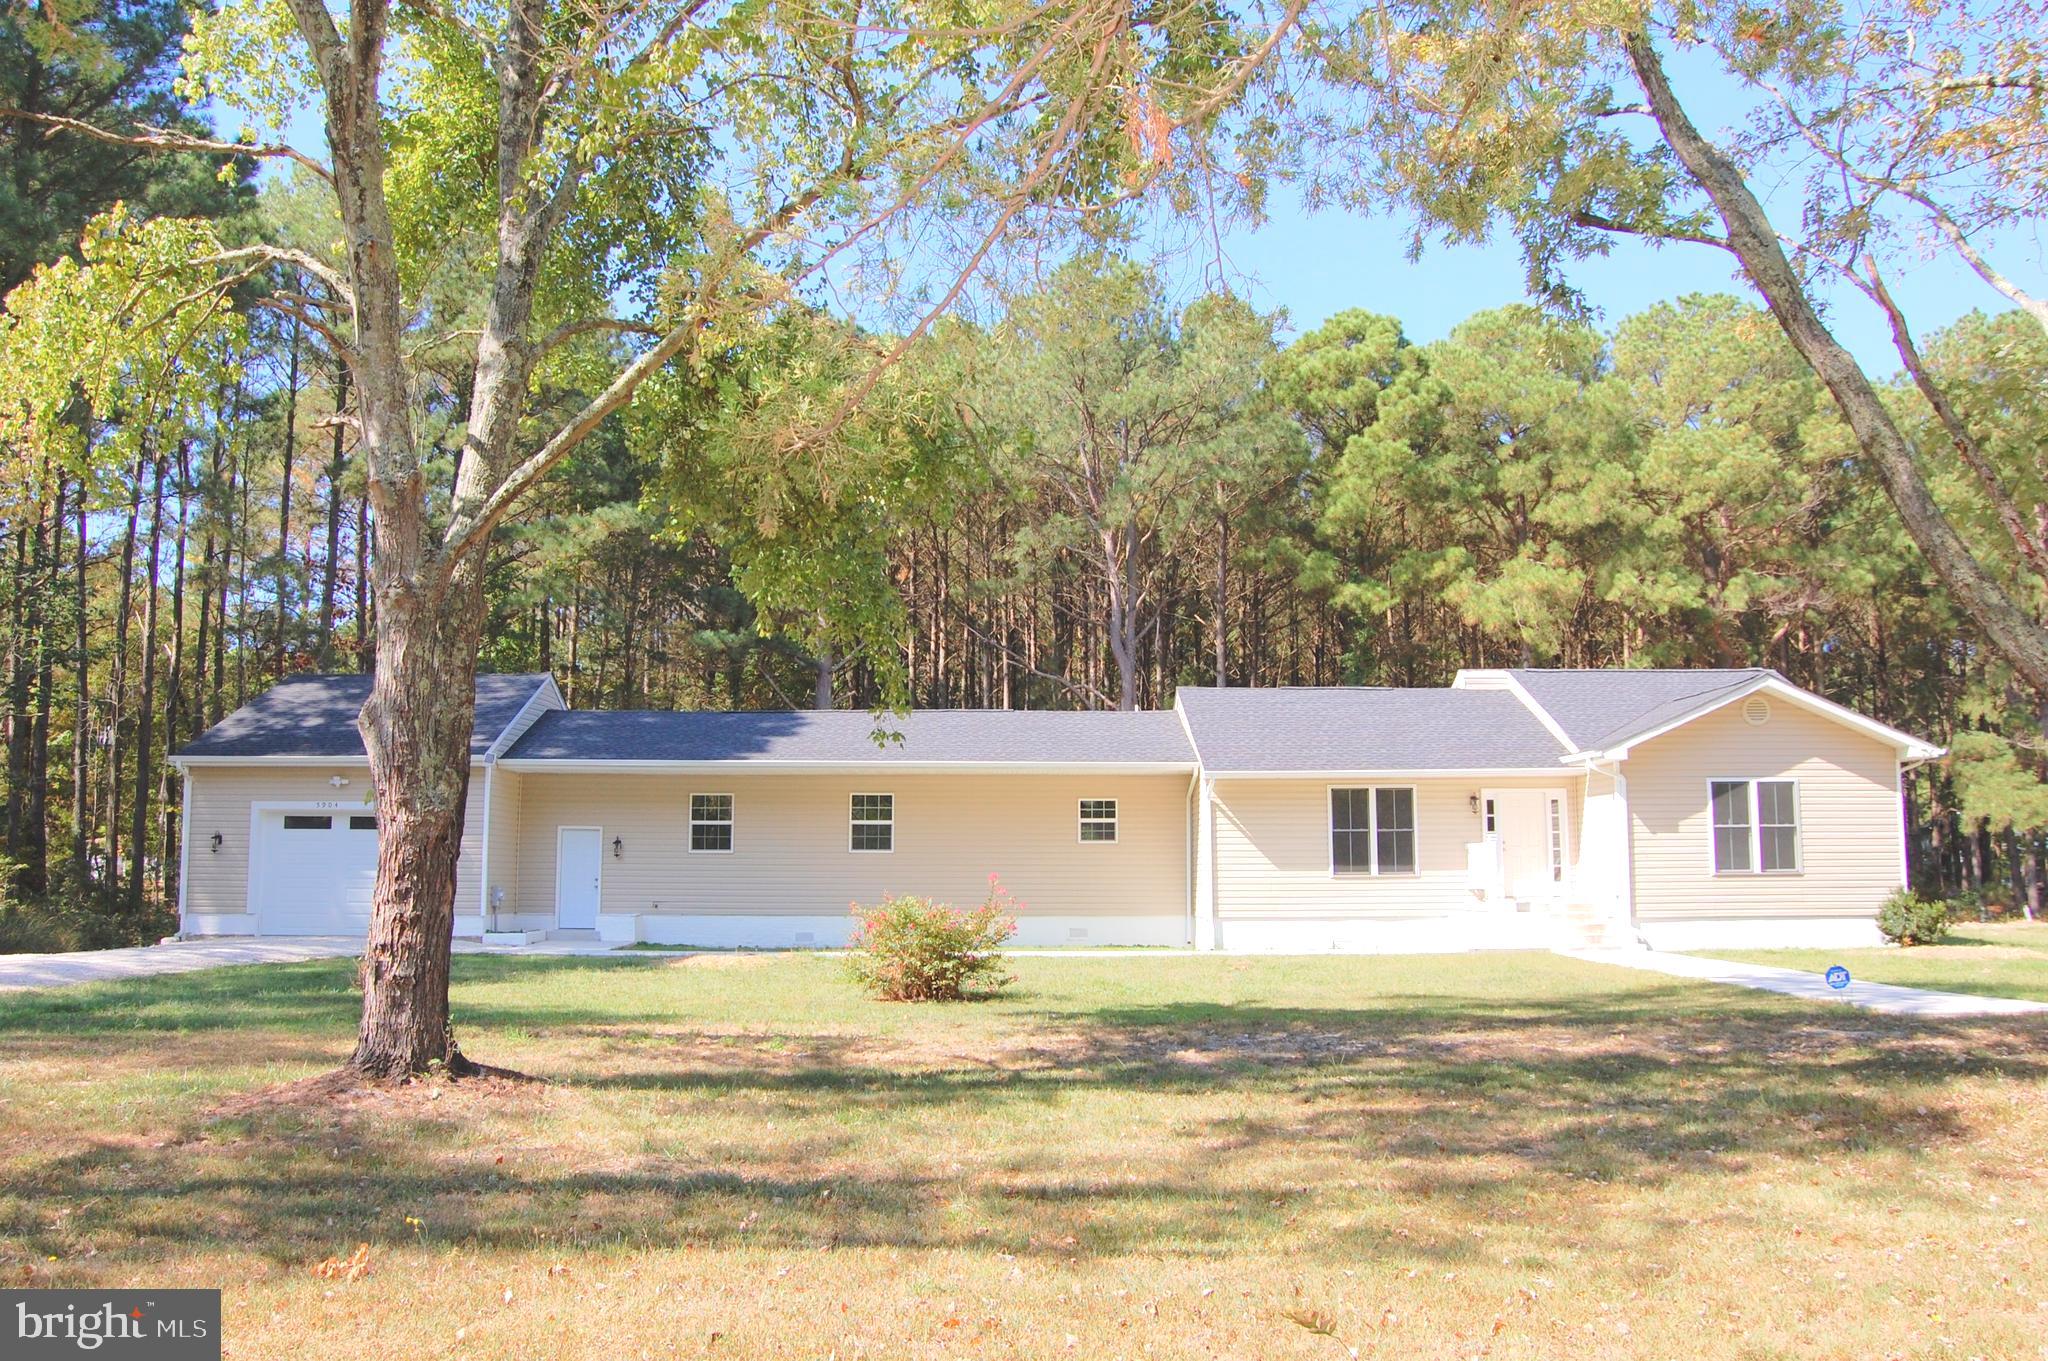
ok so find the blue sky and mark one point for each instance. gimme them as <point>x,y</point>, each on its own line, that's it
<point>1318,264</point>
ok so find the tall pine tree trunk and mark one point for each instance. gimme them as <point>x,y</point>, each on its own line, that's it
<point>331,563</point>
<point>284,504</point>
<point>117,687</point>
<point>168,806</point>
<point>81,703</point>
<point>145,723</point>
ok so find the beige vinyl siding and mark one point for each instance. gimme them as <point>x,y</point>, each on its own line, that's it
<point>1849,840</point>
<point>504,867</point>
<point>1273,849</point>
<point>790,852</point>
<point>222,800</point>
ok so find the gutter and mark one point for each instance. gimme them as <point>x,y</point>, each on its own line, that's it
<point>741,765</point>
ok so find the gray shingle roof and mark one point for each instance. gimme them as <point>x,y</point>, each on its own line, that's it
<point>316,716</point>
<point>1363,728</point>
<point>1598,708</point>
<point>842,736</point>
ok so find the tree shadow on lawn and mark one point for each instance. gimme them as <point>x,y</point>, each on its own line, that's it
<point>1182,1127</point>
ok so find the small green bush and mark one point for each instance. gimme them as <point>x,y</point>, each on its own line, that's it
<point>1909,919</point>
<point>912,949</point>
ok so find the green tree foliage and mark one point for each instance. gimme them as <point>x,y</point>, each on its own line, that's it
<point>1561,123</point>
<point>98,61</point>
<point>1138,427</point>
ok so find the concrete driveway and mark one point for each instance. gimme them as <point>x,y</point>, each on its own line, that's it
<point>179,956</point>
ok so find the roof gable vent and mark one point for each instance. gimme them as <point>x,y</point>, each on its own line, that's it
<point>1756,711</point>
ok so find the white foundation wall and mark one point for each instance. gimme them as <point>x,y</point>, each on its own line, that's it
<point>1768,933</point>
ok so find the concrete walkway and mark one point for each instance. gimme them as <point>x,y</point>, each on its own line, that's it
<point>179,956</point>
<point>1885,997</point>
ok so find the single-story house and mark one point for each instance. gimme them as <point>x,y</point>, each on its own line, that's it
<point>1513,808</point>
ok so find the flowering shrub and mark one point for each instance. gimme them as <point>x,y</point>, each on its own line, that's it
<point>912,949</point>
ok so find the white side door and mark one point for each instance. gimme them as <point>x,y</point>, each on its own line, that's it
<point>579,876</point>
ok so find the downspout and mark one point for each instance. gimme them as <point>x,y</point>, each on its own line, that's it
<point>1188,858</point>
<point>184,849</point>
<point>1205,868</point>
<point>483,888</point>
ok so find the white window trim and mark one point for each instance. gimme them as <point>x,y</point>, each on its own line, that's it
<point>1372,818</point>
<point>1756,828</point>
<point>1115,821</point>
<point>853,822</point>
<point>730,822</point>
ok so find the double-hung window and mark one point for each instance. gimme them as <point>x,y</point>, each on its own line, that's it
<point>710,823</point>
<point>1756,826</point>
<point>1372,830</point>
<point>874,822</point>
<point>1098,819</point>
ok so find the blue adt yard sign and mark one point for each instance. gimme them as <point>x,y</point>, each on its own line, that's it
<point>1838,977</point>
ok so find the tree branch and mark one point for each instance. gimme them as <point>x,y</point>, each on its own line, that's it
<point>164,140</point>
<point>1967,448</point>
<point>1598,223</point>
<point>569,330</point>
<point>297,259</point>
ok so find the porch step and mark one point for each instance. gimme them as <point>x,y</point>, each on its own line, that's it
<point>514,937</point>
<point>586,935</point>
<point>1594,935</point>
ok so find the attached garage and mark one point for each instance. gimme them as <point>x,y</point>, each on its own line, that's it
<point>280,821</point>
<point>312,871</point>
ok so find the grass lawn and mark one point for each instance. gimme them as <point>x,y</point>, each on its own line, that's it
<point>2001,959</point>
<point>1507,1156</point>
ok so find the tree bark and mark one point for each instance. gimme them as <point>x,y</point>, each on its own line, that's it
<point>35,867</point>
<point>821,686</point>
<point>174,690</point>
<point>145,722</point>
<point>117,686</point>
<point>284,504</point>
<point>1222,599</point>
<point>81,703</point>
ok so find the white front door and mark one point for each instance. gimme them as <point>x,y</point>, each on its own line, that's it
<point>1530,826</point>
<point>579,873</point>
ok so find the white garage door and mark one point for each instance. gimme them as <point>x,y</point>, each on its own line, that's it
<point>314,873</point>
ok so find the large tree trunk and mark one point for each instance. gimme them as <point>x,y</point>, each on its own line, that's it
<point>416,726</point>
